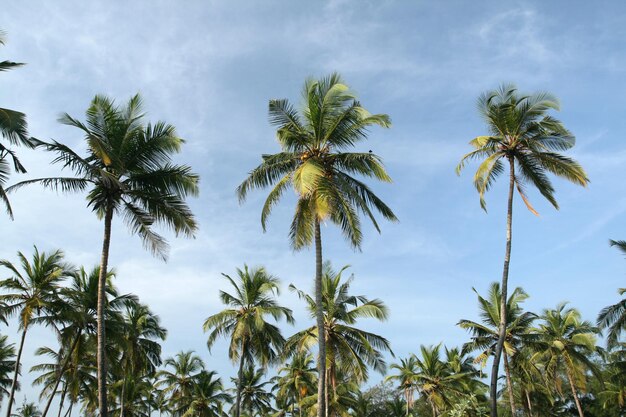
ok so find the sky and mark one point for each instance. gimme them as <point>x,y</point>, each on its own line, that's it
<point>210,67</point>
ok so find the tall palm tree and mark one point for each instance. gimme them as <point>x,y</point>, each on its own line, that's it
<point>349,350</point>
<point>28,410</point>
<point>31,295</point>
<point>485,335</point>
<point>139,345</point>
<point>256,400</point>
<point>313,159</point>
<point>435,380</point>
<point>406,378</point>
<point>178,383</point>
<point>14,129</point>
<point>613,317</point>
<point>251,336</point>
<point>128,171</point>
<point>209,397</point>
<point>7,365</point>
<point>297,379</point>
<point>526,139</point>
<point>564,343</point>
<point>77,308</point>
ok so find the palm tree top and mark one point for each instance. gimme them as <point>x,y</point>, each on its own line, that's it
<point>521,131</point>
<point>128,167</point>
<point>314,162</point>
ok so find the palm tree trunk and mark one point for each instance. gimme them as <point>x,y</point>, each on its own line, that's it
<point>69,410</point>
<point>321,333</point>
<point>122,398</point>
<point>432,406</point>
<point>408,401</point>
<point>507,371</point>
<point>530,406</point>
<point>60,376</point>
<point>102,366</point>
<point>240,381</point>
<point>574,393</point>
<point>493,389</point>
<point>16,372</point>
<point>62,399</point>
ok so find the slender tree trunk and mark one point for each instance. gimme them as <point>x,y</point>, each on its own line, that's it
<point>432,406</point>
<point>16,372</point>
<point>408,401</point>
<point>62,399</point>
<point>530,406</point>
<point>493,389</point>
<point>574,393</point>
<point>68,413</point>
<point>327,393</point>
<point>240,381</point>
<point>507,371</point>
<point>60,375</point>
<point>122,398</point>
<point>102,366</point>
<point>321,333</point>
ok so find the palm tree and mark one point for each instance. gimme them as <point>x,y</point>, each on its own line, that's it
<point>31,295</point>
<point>348,349</point>
<point>255,399</point>
<point>313,160</point>
<point>179,382</point>
<point>28,410</point>
<point>485,335</point>
<point>565,342</point>
<point>296,380</point>
<point>209,397</point>
<point>524,136</point>
<point>7,364</point>
<point>139,345</point>
<point>77,308</point>
<point>434,379</point>
<point>251,337</point>
<point>613,317</point>
<point>13,128</point>
<point>129,172</point>
<point>406,377</point>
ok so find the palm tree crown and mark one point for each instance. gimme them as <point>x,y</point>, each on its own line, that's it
<point>522,133</point>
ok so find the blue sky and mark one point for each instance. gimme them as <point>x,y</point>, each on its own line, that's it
<point>210,67</point>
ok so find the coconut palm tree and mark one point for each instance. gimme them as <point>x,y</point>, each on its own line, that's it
<point>297,380</point>
<point>7,365</point>
<point>406,378</point>
<point>485,335</point>
<point>524,138</point>
<point>178,383</point>
<point>565,343</point>
<point>436,381</point>
<point>27,410</point>
<point>128,171</point>
<point>251,336</point>
<point>613,317</point>
<point>255,399</point>
<point>140,351</point>
<point>77,309</point>
<point>14,129</point>
<point>349,350</point>
<point>31,295</point>
<point>315,162</point>
<point>209,397</point>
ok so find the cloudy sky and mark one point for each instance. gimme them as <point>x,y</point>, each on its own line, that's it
<point>210,67</point>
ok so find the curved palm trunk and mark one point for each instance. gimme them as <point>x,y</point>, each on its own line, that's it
<point>240,381</point>
<point>574,393</point>
<point>530,406</point>
<point>60,376</point>
<point>16,372</point>
<point>102,366</point>
<point>493,389</point>
<point>122,398</point>
<point>507,372</point>
<point>321,334</point>
<point>62,399</point>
